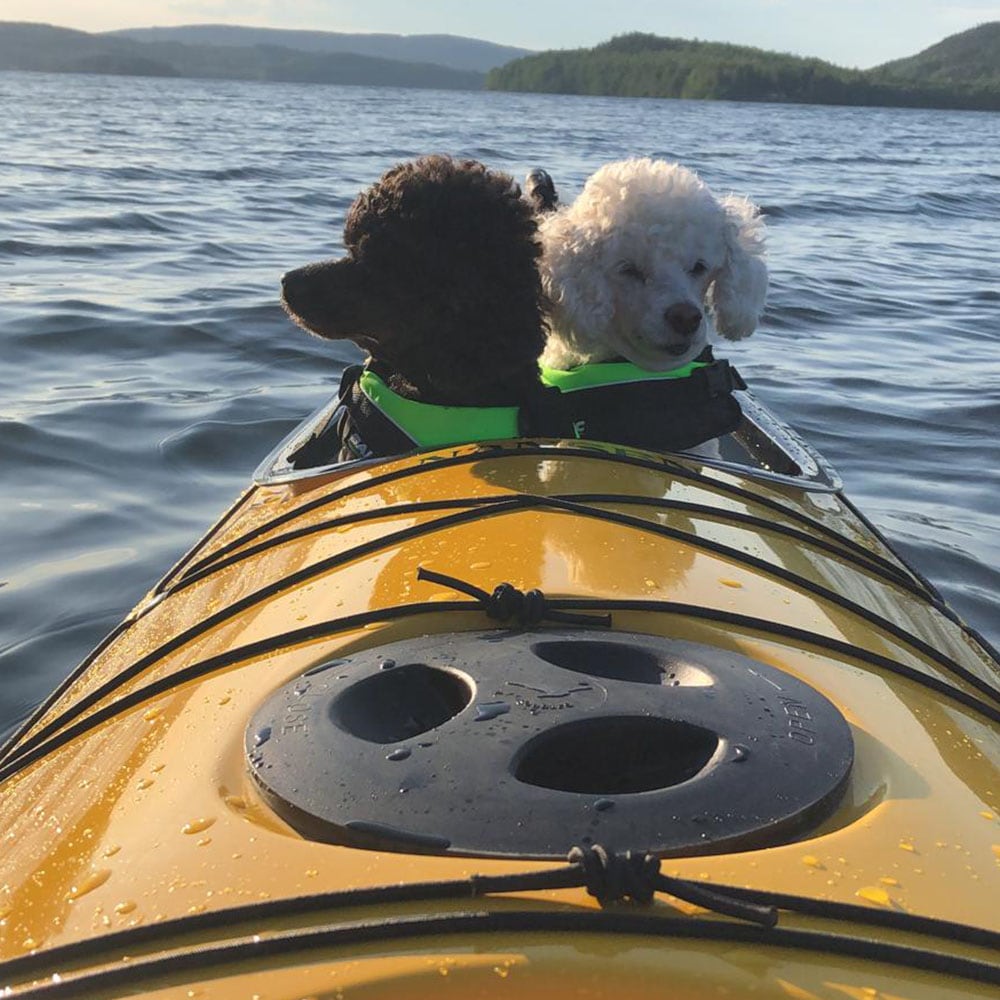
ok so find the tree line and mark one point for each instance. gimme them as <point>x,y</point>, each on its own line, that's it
<point>639,65</point>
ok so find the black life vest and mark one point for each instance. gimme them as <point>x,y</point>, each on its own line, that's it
<point>620,403</point>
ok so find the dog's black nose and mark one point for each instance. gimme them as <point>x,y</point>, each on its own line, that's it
<point>294,294</point>
<point>684,318</point>
<point>292,285</point>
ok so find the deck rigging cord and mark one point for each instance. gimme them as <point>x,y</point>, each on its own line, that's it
<point>177,579</point>
<point>54,734</point>
<point>530,449</point>
<point>614,880</point>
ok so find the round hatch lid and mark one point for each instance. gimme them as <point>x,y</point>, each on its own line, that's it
<point>527,744</point>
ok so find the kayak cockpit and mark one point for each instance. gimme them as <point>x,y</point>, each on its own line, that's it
<point>762,447</point>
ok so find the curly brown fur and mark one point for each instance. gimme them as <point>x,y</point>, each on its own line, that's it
<point>439,284</point>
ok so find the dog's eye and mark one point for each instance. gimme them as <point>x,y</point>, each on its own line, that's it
<point>630,270</point>
<point>698,268</point>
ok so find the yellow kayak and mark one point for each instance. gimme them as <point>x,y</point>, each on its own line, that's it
<point>519,718</point>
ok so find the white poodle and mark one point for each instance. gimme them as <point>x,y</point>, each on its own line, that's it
<point>641,264</point>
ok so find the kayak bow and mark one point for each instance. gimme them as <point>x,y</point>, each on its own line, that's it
<point>575,717</point>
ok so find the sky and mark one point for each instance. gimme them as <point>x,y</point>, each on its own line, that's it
<point>858,33</point>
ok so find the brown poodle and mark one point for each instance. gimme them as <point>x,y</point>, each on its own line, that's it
<point>440,286</point>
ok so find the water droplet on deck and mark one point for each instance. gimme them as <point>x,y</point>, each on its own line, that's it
<point>262,736</point>
<point>811,861</point>
<point>726,582</point>
<point>603,805</point>
<point>401,754</point>
<point>324,666</point>
<point>490,710</point>
<point>873,894</point>
<point>386,664</point>
<point>89,883</point>
<point>124,907</point>
<point>197,825</point>
<point>740,754</point>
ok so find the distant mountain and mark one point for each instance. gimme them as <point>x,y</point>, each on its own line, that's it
<point>962,71</point>
<point>972,58</point>
<point>43,47</point>
<point>62,50</point>
<point>442,50</point>
<point>642,65</point>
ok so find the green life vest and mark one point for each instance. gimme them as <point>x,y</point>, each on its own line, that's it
<point>431,426</point>
<point>606,373</point>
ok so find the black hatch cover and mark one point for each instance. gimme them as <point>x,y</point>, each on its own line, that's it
<point>526,744</point>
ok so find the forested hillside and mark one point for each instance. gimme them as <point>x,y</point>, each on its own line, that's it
<point>971,58</point>
<point>641,65</point>
<point>60,50</point>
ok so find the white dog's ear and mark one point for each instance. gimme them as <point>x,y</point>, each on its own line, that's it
<point>574,281</point>
<point>738,294</point>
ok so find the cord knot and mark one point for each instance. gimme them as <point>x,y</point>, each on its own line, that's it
<point>507,602</point>
<point>613,878</point>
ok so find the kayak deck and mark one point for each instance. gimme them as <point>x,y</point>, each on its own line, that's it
<point>130,799</point>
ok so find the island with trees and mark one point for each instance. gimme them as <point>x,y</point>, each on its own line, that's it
<point>963,71</point>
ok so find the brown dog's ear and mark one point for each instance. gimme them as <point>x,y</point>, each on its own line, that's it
<point>330,298</point>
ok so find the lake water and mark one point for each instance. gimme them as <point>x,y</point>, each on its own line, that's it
<point>147,367</point>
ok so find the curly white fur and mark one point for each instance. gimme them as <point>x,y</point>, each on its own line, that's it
<point>645,263</point>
